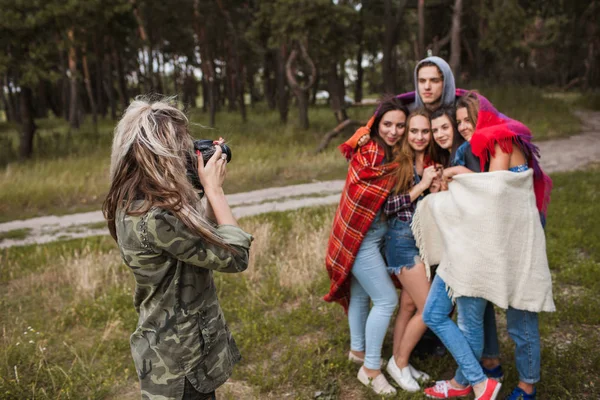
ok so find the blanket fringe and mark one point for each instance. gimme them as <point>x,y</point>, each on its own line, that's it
<point>451,294</point>
<point>417,230</point>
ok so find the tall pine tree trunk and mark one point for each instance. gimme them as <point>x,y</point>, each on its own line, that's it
<point>455,38</point>
<point>121,84</point>
<point>100,99</point>
<point>88,86</point>
<point>391,26</point>
<point>268,80</point>
<point>282,94</point>
<point>9,106</point>
<point>73,96</point>
<point>27,123</point>
<point>358,85</point>
<point>421,34</point>
<point>109,86</point>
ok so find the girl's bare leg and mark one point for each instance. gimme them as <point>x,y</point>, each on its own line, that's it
<point>407,310</point>
<point>414,281</point>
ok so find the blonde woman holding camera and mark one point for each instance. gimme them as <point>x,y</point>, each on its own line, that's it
<point>182,347</point>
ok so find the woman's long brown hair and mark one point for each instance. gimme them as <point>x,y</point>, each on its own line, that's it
<point>151,148</point>
<point>387,103</point>
<point>404,155</point>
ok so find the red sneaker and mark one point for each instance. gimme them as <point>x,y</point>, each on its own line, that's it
<point>443,390</point>
<point>492,388</point>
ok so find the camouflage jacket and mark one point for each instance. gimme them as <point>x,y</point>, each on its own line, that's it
<point>181,331</point>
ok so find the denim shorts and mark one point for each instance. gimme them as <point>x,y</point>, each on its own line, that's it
<point>400,247</point>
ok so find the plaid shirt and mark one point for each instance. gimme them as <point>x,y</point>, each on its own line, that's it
<point>399,205</point>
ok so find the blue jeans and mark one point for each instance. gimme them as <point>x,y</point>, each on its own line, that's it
<point>471,311</point>
<point>371,281</point>
<point>436,316</point>
<point>400,246</point>
<point>523,329</point>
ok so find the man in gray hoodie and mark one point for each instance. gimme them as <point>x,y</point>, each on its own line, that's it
<point>434,84</point>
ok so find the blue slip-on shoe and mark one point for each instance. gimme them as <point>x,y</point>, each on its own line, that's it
<point>494,373</point>
<point>519,394</point>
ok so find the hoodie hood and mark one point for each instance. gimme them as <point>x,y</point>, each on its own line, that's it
<point>448,92</point>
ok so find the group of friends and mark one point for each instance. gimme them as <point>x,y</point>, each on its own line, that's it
<point>445,199</point>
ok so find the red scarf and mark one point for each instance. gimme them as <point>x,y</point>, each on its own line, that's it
<point>494,128</point>
<point>367,186</point>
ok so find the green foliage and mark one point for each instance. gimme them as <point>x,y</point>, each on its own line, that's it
<point>505,19</point>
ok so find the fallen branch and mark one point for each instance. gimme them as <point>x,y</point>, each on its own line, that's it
<point>336,131</point>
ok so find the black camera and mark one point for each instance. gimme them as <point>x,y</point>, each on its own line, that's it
<point>207,149</point>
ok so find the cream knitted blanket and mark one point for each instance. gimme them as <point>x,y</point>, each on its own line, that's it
<point>485,234</point>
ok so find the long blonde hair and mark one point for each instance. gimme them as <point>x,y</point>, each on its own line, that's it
<point>404,155</point>
<point>150,150</point>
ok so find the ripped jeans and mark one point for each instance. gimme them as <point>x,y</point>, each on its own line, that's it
<point>400,246</point>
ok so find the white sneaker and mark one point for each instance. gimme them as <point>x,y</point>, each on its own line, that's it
<point>402,376</point>
<point>379,384</point>
<point>359,360</point>
<point>418,375</point>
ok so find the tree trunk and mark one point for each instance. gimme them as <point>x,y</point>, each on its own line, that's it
<point>230,86</point>
<point>27,123</point>
<point>88,86</point>
<point>204,94</point>
<point>109,87</point>
<point>302,98</point>
<point>315,88</point>
<point>74,98</point>
<point>206,64</point>
<point>358,85</point>
<point>64,85</point>
<point>301,91</point>
<point>121,84</point>
<point>480,35</point>
<point>11,101</point>
<point>421,35</point>
<point>455,41</point>
<point>336,93</point>
<point>176,76</point>
<point>160,88</point>
<point>8,106</point>
<point>100,100</point>
<point>234,49</point>
<point>391,24</point>
<point>282,94</point>
<point>148,65</point>
<point>268,80</point>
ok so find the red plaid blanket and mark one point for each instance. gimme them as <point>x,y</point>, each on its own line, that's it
<point>367,186</point>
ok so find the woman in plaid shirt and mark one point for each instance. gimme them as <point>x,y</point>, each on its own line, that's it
<point>414,179</point>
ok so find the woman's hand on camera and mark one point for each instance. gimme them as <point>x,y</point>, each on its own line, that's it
<point>212,176</point>
<point>213,173</point>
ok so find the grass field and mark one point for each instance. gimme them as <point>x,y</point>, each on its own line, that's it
<point>68,313</point>
<point>69,172</point>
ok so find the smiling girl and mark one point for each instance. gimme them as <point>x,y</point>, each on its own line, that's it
<point>354,261</point>
<point>414,180</point>
<point>446,138</point>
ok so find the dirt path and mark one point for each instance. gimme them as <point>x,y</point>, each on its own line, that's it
<point>558,155</point>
